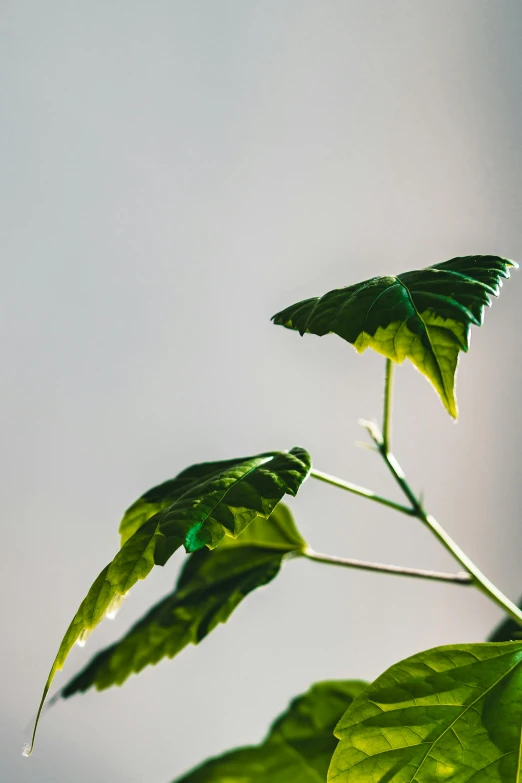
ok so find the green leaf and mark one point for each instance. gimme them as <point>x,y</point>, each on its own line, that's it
<point>161,497</point>
<point>424,316</point>
<point>298,747</point>
<point>210,587</point>
<point>508,630</point>
<point>451,713</point>
<point>220,499</point>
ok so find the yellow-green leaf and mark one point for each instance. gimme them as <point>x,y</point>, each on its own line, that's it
<point>424,316</point>
<point>448,714</point>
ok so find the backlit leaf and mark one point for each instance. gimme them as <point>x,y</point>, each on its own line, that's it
<point>221,499</point>
<point>424,316</point>
<point>211,585</point>
<point>298,747</point>
<point>447,714</point>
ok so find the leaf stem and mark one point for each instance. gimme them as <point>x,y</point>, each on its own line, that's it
<point>366,493</point>
<point>461,578</point>
<point>386,419</point>
<point>479,579</point>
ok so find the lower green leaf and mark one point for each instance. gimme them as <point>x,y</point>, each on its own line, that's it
<point>211,585</point>
<point>298,746</point>
<point>451,713</point>
<point>212,502</point>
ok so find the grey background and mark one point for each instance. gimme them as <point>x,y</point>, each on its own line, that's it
<point>172,174</point>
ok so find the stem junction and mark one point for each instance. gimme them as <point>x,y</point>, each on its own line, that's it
<point>473,574</point>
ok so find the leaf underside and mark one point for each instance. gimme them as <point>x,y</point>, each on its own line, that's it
<point>298,746</point>
<point>447,714</point>
<point>424,316</point>
<point>211,586</point>
<point>211,501</point>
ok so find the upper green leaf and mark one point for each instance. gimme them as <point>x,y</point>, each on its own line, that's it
<point>508,630</point>
<point>221,499</point>
<point>424,316</point>
<point>451,713</point>
<point>161,497</point>
<point>210,587</point>
<point>298,747</point>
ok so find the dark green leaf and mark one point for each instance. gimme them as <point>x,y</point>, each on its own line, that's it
<point>220,499</point>
<point>424,316</point>
<point>508,630</point>
<point>451,713</point>
<point>161,497</point>
<point>298,747</point>
<point>210,587</point>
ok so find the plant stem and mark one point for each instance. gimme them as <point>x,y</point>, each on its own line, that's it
<point>460,578</point>
<point>366,493</point>
<point>386,419</point>
<point>396,470</point>
<point>479,579</point>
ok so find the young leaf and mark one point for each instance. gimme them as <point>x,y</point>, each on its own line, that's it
<point>221,501</point>
<point>451,713</point>
<point>298,747</point>
<point>508,630</point>
<point>424,316</point>
<point>210,587</point>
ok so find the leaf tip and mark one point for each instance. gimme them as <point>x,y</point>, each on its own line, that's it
<point>114,606</point>
<point>83,636</point>
<point>450,404</point>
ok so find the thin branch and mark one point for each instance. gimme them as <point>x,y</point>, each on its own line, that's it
<point>356,490</point>
<point>461,578</point>
<point>396,470</point>
<point>479,579</point>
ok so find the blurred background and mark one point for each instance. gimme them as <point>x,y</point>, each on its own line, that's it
<point>173,173</point>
